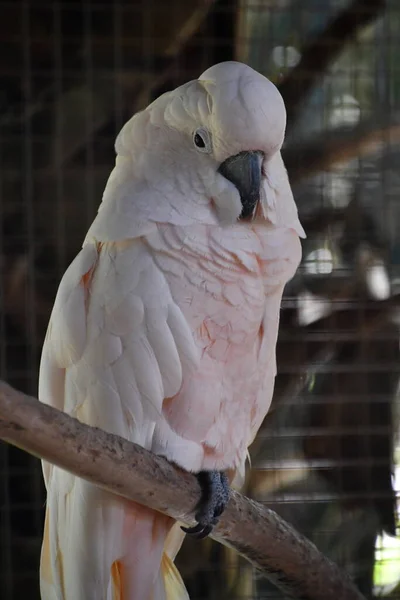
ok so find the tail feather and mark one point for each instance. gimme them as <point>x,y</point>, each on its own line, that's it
<point>174,541</point>
<point>97,546</point>
<point>173,583</point>
<point>116,581</point>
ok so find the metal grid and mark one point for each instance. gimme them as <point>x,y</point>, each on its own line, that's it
<point>72,73</point>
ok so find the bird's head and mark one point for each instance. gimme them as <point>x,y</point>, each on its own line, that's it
<point>208,152</point>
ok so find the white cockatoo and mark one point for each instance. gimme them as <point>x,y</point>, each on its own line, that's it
<point>165,324</point>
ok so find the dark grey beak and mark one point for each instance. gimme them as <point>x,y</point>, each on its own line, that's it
<point>244,171</point>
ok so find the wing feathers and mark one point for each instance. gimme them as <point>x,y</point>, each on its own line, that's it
<point>166,353</point>
<point>147,374</point>
<point>188,352</point>
<point>117,343</point>
<point>66,334</point>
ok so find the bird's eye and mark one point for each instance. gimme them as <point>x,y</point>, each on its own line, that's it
<point>202,141</point>
<point>198,140</point>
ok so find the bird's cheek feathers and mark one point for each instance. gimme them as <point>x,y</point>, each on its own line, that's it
<point>225,200</point>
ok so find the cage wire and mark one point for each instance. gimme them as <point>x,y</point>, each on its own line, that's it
<point>327,456</point>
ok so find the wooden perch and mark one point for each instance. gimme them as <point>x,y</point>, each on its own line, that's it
<point>288,559</point>
<point>323,50</point>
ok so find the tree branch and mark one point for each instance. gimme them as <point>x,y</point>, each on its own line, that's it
<point>287,558</point>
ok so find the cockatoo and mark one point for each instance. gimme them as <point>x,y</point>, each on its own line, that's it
<point>164,326</point>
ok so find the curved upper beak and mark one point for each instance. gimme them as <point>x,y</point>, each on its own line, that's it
<point>244,171</point>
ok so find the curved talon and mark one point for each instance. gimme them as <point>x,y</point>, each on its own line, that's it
<point>206,531</point>
<point>193,530</point>
<point>199,531</point>
<point>215,496</point>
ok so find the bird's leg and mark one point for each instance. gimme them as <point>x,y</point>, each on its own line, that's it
<point>215,493</point>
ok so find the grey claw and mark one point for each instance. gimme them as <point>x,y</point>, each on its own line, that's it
<point>215,496</point>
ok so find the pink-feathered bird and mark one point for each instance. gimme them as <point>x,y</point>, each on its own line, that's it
<point>164,326</point>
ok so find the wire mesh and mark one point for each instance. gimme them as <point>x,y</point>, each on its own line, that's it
<point>326,457</point>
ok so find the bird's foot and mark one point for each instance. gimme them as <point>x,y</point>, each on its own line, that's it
<point>215,494</point>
